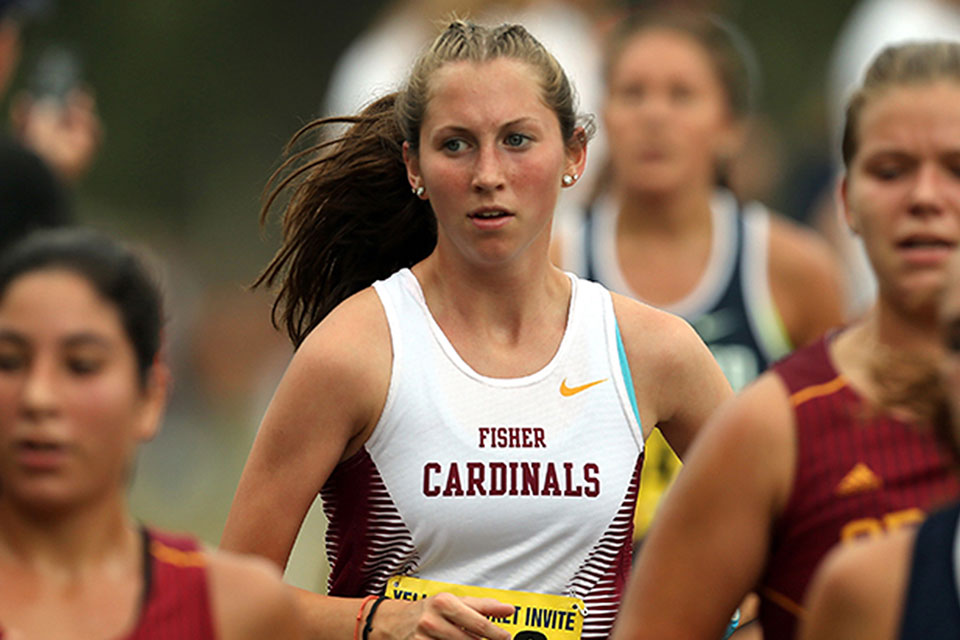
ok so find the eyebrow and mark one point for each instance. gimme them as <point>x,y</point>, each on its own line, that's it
<point>506,125</point>
<point>85,338</point>
<point>81,339</point>
<point>6,335</point>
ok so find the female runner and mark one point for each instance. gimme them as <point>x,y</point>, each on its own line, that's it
<point>81,384</point>
<point>803,458</point>
<point>663,230</point>
<point>903,585</point>
<point>478,418</point>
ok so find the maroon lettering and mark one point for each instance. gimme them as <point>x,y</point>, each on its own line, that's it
<point>454,487</point>
<point>531,478</point>
<point>431,490</point>
<point>498,478</point>
<point>475,473</point>
<point>484,432</point>
<point>514,437</point>
<point>551,484</point>
<point>538,438</point>
<point>590,471</point>
<point>571,490</point>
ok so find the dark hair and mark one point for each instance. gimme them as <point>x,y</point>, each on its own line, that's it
<point>351,218</point>
<point>909,64</point>
<point>111,269</point>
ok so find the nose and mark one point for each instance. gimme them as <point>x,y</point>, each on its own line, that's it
<point>926,196</point>
<point>39,397</point>
<point>488,173</point>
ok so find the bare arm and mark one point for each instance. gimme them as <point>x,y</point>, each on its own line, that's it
<point>708,546</point>
<point>858,592</point>
<point>677,381</point>
<point>323,411</point>
<point>249,600</point>
<point>806,281</point>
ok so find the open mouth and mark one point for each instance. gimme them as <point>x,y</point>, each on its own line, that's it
<point>489,215</point>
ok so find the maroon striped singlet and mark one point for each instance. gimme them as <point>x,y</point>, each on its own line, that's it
<point>859,473</point>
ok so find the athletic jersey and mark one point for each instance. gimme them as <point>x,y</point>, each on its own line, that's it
<point>859,473</point>
<point>527,484</point>
<point>731,308</point>
<point>932,607</point>
<point>176,599</point>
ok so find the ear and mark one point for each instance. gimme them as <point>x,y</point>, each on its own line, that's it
<point>576,153</point>
<point>154,401</point>
<point>843,197</point>
<point>412,161</point>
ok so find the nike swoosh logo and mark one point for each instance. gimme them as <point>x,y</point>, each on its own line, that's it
<point>569,391</point>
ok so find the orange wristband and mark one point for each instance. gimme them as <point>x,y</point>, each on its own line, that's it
<point>363,605</point>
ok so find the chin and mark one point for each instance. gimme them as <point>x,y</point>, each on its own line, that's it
<point>655,183</point>
<point>920,293</point>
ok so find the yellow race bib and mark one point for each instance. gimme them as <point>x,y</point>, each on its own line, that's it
<point>536,616</point>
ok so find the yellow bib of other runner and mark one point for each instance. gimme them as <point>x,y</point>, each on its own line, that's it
<point>536,616</point>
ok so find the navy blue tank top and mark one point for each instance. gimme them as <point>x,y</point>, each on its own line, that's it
<point>932,608</point>
<point>734,312</point>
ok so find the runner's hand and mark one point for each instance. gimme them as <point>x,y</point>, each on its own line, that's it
<point>440,617</point>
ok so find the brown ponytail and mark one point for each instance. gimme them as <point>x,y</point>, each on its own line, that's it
<point>351,218</point>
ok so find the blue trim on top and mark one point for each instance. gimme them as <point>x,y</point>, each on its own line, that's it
<point>627,378</point>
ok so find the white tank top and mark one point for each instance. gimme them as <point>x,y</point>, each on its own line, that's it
<point>523,483</point>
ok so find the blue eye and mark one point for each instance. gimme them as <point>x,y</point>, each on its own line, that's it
<point>516,140</point>
<point>454,145</point>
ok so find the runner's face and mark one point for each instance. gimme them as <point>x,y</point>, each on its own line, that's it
<point>902,192</point>
<point>491,159</point>
<point>667,114</point>
<point>71,404</point>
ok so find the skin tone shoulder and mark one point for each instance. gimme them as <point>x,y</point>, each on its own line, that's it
<point>491,160</point>
<point>73,408</point>
<point>709,545</point>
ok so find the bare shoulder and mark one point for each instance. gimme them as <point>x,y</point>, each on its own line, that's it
<point>806,280</point>
<point>677,382</point>
<point>647,331</point>
<point>349,355</point>
<point>249,599</point>
<point>858,590</point>
<point>353,332</point>
<point>797,250</point>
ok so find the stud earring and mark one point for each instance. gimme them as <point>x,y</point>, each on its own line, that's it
<point>418,191</point>
<point>568,179</point>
